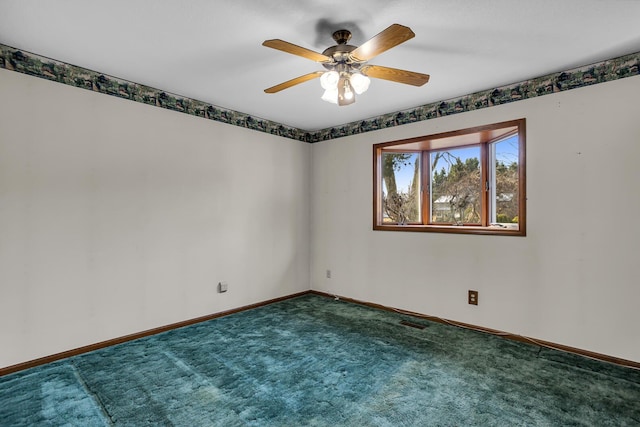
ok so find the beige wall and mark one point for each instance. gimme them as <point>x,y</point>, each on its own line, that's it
<point>117,217</point>
<point>573,280</point>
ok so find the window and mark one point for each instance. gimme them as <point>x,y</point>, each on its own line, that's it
<point>468,181</point>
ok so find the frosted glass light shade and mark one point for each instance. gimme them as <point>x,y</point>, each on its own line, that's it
<point>329,80</point>
<point>360,83</point>
<point>330,95</point>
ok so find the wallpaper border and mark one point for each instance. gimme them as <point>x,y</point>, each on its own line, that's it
<point>587,75</point>
<point>50,69</point>
<point>39,66</point>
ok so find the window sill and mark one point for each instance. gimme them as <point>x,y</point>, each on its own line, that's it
<point>453,229</point>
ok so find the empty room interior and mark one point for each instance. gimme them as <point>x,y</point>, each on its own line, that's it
<point>209,191</point>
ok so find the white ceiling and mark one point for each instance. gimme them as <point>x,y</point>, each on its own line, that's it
<point>211,50</point>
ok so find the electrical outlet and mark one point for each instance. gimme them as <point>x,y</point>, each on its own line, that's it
<point>223,287</point>
<point>473,297</point>
<point>328,274</point>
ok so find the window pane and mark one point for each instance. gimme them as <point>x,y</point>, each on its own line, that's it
<point>401,187</point>
<point>456,195</point>
<point>506,195</point>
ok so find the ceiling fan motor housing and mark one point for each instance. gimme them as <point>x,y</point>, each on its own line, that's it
<point>340,53</point>
<point>342,36</point>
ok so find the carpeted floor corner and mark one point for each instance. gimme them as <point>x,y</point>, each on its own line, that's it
<point>314,361</point>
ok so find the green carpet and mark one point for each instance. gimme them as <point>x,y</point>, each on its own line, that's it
<point>313,361</point>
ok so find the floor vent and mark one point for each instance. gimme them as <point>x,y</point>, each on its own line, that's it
<point>412,325</point>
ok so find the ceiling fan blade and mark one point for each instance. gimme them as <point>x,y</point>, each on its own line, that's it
<point>296,50</point>
<point>293,82</point>
<point>395,75</point>
<point>346,94</point>
<point>383,41</point>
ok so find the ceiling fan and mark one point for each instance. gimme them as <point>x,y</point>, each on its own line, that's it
<point>348,72</point>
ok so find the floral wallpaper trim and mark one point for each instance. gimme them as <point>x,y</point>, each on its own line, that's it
<point>613,69</point>
<point>50,69</point>
<point>39,66</point>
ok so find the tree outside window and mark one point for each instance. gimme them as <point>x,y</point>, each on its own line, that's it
<point>401,187</point>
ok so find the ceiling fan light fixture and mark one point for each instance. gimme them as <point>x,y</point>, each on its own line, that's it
<point>345,94</point>
<point>348,93</point>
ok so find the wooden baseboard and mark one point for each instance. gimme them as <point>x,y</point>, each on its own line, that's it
<point>520,338</point>
<point>507,335</point>
<point>92,347</point>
